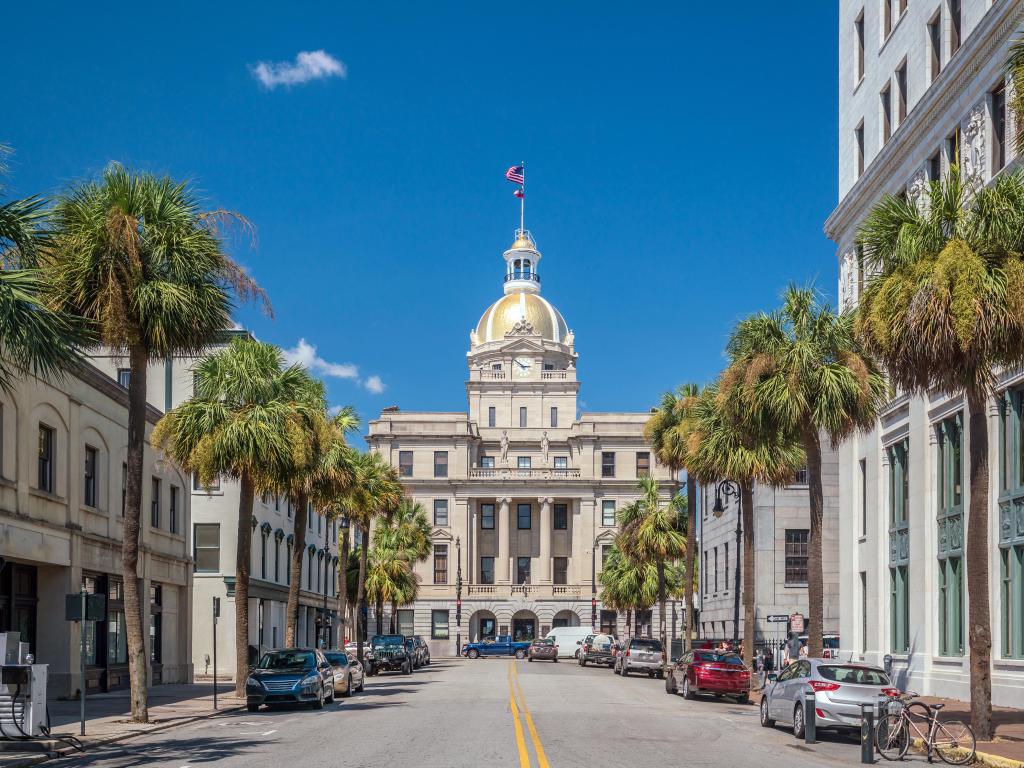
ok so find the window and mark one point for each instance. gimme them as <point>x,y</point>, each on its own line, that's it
<point>492,417</point>
<point>277,503</point>
<point>156,598</point>
<point>950,490</point>
<point>607,464</point>
<point>46,458</point>
<point>495,366</point>
<point>935,167</point>
<point>886,19</point>
<point>172,520</point>
<point>608,512</point>
<point>953,145</point>
<point>863,612</point>
<point>901,93</point>
<point>561,462</point>
<point>800,476</point>
<point>522,416</point>
<point>934,48</point>
<point>522,570</point>
<point>885,103</point>
<point>89,489</point>
<point>206,547</point>
<point>440,563</point>
<point>406,622</point>
<point>440,511</point>
<point>554,416</point>
<point>439,625</point>
<point>197,484</point>
<point>486,570</point>
<point>524,513</point>
<point>487,516</point>
<point>725,586</point>
<point>716,569</point>
<point>124,377</point>
<point>796,556</point>
<point>561,520</point>
<point>643,464</point>
<point>863,497</point>
<point>858,43</point>
<point>608,622</point>
<point>899,609</point>
<point>523,462</point>
<point>704,572</point>
<point>486,462</point>
<point>440,463</point>
<point>1012,596</point>
<point>858,141</point>
<point>561,570</point>
<point>154,504</point>
<point>951,627</point>
<point>263,555</point>
<point>277,558</point>
<point>899,485</point>
<point>405,463</point>
<point>998,129</point>
<point>955,26</point>
<point>606,550</point>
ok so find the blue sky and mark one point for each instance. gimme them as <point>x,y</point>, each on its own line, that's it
<point>680,159</point>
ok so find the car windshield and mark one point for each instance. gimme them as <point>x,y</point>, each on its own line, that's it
<point>281,661</point>
<point>381,641</point>
<point>647,645</point>
<point>337,659</point>
<point>855,675</point>
<point>717,658</point>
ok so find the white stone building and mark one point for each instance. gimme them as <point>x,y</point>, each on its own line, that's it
<point>921,82</point>
<point>521,490</point>
<point>212,540</point>
<point>63,448</point>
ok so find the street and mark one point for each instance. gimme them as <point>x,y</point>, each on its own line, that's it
<point>494,712</point>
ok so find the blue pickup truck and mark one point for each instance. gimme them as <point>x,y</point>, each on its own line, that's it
<point>502,645</point>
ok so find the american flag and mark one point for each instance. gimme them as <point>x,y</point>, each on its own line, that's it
<point>515,174</point>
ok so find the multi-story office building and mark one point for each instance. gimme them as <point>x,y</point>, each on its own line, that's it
<point>921,86</point>
<point>781,539</point>
<point>63,448</point>
<point>521,491</point>
<point>212,539</point>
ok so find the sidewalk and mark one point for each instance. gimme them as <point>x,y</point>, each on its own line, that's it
<point>107,717</point>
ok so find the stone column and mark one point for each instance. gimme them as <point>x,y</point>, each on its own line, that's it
<point>545,541</point>
<point>502,573</point>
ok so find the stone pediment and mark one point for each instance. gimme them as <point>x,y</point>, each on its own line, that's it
<point>441,534</point>
<point>523,344</point>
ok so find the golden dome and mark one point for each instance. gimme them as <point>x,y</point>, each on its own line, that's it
<point>523,242</point>
<point>502,316</point>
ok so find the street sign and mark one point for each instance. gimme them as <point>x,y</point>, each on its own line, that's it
<point>796,622</point>
<point>777,618</point>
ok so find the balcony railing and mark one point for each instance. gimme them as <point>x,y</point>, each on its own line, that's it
<point>520,274</point>
<point>515,590</point>
<point>515,473</point>
<point>553,374</point>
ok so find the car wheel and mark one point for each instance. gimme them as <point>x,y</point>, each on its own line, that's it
<point>348,688</point>
<point>687,691</point>
<point>555,659</point>
<point>670,684</point>
<point>319,702</point>
<point>798,721</point>
<point>661,674</point>
<point>577,654</point>
<point>743,699</point>
<point>362,683</point>
<point>333,694</point>
<point>530,659</point>
<point>473,653</point>
<point>625,670</point>
<point>252,707</point>
<point>583,661</point>
<point>766,722</point>
<point>520,654</point>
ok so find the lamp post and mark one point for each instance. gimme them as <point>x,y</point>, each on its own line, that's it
<point>458,595</point>
<point>343,564</point>
<point>593,584</point>
<point>724,490</point>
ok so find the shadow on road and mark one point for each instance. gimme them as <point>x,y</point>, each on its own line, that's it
<point>189,751</point>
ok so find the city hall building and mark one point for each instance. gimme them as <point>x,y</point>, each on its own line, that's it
<point>922,85</point>
<point>522,492</point>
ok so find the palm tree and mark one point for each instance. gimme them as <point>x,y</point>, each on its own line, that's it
<point>34,338</point>
<point>628,585</point>
<point>407,530</point>
<point>246,420</point>
<point>137,257</point>
<point>668,430</point>
<point>724,446</point>
<point>651,534</point>
<point>389,578</point>
<point>943,311</point>
<point>800,369</point>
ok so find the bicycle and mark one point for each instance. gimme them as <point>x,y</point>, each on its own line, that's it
<point>952,740</point>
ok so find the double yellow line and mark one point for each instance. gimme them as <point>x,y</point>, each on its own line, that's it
<point>517,703</point>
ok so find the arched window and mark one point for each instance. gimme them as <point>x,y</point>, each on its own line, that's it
<point>526,268</point>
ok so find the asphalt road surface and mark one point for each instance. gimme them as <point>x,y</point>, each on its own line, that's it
<point>487,712</point>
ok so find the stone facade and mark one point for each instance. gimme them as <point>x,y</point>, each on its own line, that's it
<point>903,494</point>
<point>521,490</point>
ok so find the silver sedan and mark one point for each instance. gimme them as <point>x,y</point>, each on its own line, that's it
<point>348,673</point>
<point>839,690</point>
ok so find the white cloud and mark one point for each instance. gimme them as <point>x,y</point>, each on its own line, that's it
<point>308,65</point>
<point>305,354</point>
<point>374,385</point>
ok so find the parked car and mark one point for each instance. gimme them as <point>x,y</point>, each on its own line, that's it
<point>413,651</point>
<point>569,640</point>
<point>348,673</point>
<point>599,649</point>
<point>424,650</point>
<point>639,653</point>
<point>839,690</point>
<point>387,653</point>
<point>545,650</point>
<point>290,676</point>
<point>702,672</point>
<point>502,645</point>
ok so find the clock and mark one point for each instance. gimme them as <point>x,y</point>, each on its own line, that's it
<point>522,366</point>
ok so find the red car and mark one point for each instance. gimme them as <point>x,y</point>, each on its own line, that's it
<point>706,672</point>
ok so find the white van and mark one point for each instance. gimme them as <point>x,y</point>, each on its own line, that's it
<point>569,640</point>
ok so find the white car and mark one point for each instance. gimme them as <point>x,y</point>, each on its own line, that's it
<point>569,640</point>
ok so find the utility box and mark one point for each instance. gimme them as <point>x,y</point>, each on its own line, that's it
<point>22,700</point>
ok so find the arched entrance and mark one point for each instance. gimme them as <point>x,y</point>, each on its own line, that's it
<point>565,618</point>
<point>482,624</point>
<point>524,625</point>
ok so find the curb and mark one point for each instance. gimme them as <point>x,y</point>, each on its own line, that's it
<point>980,758</point>
<point>102,742</point>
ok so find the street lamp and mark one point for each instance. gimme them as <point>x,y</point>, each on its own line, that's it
<point>343,564</point>
<point>458,595</point>
<point>724,490</point>
<point>593,583</point>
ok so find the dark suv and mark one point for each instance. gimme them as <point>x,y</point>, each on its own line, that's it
<point>388,653</point>
<point>599,649</point>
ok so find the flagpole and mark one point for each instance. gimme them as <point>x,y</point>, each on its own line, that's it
<point>522,202</point>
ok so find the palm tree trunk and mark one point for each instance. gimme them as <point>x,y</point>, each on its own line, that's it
<point>629,622</point>
<point>393,624</point>
<point>364,548</point>
<point>132,527</point>
<point>342,575</point>
<point>379,609</point>
<point>662,630</point>
<point>691,558</point>
<point>748,575</point>
<point>243,559</point>
<point>815,578</point>
<point>298,551</point>
<point>980,628</point>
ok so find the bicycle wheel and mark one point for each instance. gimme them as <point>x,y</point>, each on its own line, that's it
<point>892,738</point>
<point>954,742</point>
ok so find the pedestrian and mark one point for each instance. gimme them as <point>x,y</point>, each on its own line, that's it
<point>768,662</point>
<point>792,648</point>
<point>803,651</point>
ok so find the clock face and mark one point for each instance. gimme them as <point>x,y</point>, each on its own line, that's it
<point>522,366</point>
